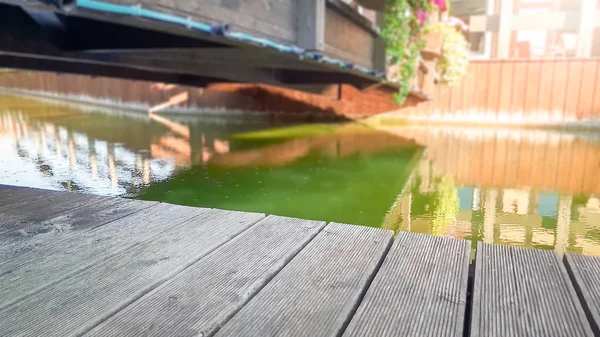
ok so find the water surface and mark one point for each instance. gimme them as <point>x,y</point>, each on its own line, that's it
<point>517,187</point>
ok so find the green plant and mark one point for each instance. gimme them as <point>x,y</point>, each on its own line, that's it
<point>452,65</point>
<point>404,22</point>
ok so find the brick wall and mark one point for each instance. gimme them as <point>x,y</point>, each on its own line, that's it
<point>335,102</point>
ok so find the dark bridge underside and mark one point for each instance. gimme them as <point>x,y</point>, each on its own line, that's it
<point>38,37</point>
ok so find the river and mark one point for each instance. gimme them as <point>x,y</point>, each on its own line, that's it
<point>519,187</point>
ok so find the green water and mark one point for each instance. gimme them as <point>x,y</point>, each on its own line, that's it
<point>530,188</point>
<point>356,189</point>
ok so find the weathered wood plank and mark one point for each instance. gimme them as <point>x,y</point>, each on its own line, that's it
<point>585,273</point>
<point>201,299</point>
<point>46,232</point>
<point>420,290</point>
<point>8,194</point>
<point>13,196</point>
<point>47,207</point>
<point>524,292</point>
<point>48,263</point>
<point>78,303</point>
<point>318,291</point>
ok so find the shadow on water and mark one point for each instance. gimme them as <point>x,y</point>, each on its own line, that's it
<point>519,187</point>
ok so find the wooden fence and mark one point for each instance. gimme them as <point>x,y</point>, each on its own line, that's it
<point>519,92</point>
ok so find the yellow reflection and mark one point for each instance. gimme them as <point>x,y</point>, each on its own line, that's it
<point>519,187</point>
<point>93,166</point>
<point>489,215</point>
<point>72,155</point>
<point>146,172</point>
<point>112,168</point>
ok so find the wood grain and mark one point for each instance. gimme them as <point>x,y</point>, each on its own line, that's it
<point>318,291</point>
<point>524,292</point>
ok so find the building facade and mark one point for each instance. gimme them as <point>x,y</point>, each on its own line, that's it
<point>507,29</point>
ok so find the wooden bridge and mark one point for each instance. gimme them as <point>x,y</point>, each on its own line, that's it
<point>295,44</point>
<point>76,264</point>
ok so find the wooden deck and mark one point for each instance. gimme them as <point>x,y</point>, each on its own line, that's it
<point>74,264</point>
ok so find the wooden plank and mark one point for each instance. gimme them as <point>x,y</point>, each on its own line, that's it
<point>47,263</point>
<point>495,83</point>
<point>469,89</point>
<point>519,87</point>
<point>586,94</point>
<point>47,207</point>
<point>481,85</point>
<point>596,101</point>
<point>456,98</point>
<point>40,234</point>
<point>443,100</point>
<point>420,290</point>
<point>559,90</point>
<point>573,90</point>
<point>506,85</point>
<point>13,196</point>
<point>532,93</point>
<point>585,272</point>
<point>331,274</point>
<point>523,292</point>
<point>545,91</point>
<point>310,24</point>
<point>8,194</point>
<point>198,301</point>
<point>87,298</point>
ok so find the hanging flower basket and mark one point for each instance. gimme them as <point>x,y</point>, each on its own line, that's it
<point>433,46</point>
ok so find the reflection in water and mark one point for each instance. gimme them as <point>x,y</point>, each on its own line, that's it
<point>98,151</point>
<point>518,187</point>
<point>345,173</point>
<point>524,188</point>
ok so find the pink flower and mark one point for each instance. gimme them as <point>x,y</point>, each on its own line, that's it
<point>421,15</point>
<point>439,3</point>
